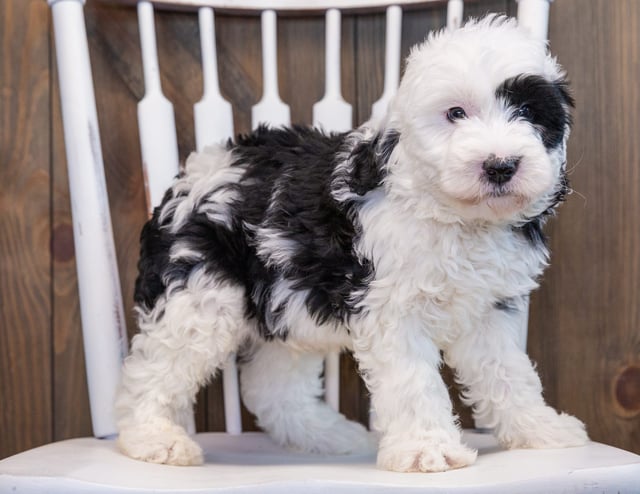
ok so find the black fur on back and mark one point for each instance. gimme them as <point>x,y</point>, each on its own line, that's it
<point>286,187</point>
<point>368,156</point>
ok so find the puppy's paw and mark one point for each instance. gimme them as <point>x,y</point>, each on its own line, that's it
<point>434,454</point>
<point>545,428</point>
<point>160,441</point>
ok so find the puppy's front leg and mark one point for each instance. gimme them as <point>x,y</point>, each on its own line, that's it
<point>504,389</point>
<point>413,411</point>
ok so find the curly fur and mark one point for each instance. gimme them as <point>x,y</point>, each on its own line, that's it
<point>404,240</point>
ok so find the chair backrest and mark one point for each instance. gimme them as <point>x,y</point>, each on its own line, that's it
<point>103,321</point>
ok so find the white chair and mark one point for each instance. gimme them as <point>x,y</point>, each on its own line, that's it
<point>243,462</point>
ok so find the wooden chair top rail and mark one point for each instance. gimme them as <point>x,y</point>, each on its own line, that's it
<point>284,6</point>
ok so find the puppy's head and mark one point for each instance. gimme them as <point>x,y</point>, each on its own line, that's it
<point>483,113</point>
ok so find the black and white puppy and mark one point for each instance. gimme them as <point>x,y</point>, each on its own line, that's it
<point>403,240</point>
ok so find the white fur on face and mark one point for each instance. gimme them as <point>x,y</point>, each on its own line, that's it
<point>464,69</point>
<point>471,142</point>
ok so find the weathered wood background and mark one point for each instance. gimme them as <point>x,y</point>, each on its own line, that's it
<point>585,320</point>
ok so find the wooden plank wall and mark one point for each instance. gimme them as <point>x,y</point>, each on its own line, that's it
<point>584,325</point>
<point>26,396</point>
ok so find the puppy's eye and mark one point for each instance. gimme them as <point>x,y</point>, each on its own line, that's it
<point>524,111</point>
<point>456,113</point>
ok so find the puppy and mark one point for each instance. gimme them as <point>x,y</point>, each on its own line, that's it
<point>408,240</point>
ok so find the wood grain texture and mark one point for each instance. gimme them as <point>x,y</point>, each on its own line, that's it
<point>71,415</point>
<point>25,303</point>
<point>585,318</point>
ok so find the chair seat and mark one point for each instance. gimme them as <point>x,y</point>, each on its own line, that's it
<point>251,462</point>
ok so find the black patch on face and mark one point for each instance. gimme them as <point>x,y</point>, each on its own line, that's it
<point>545,104</point>
<point>286,187</point>
<point>369,158</point>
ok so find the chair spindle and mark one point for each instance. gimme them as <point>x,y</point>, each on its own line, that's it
<point>391,61</point>
<point>156,121</point>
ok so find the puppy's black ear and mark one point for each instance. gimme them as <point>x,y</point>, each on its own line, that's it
<point>563,87</point>
<point>369,159</point>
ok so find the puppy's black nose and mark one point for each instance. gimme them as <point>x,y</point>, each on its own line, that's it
<point>500,170</point>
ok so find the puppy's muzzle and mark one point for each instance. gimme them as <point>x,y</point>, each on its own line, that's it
<point>500,170</point>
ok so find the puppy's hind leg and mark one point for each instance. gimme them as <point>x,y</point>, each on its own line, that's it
<point>183,340</point>
<point>282,387</point>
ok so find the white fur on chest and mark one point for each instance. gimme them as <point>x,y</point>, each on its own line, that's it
<point>444,276</point>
